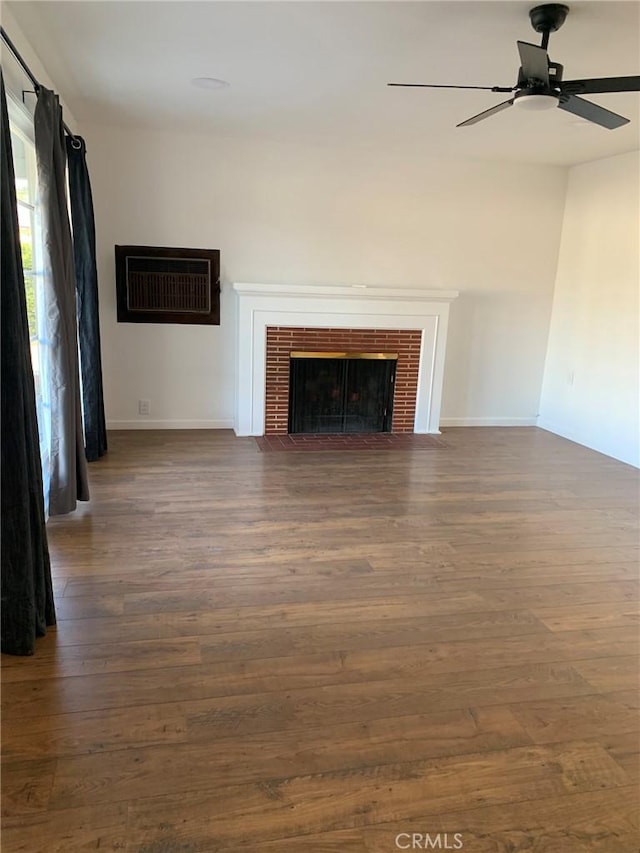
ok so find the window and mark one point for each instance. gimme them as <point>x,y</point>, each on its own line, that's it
<point>26,192</point>
<point>24,161</point>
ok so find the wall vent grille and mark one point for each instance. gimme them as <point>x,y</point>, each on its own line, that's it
<point>163,285</point>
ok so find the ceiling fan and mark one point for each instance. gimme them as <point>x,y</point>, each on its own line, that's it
<point>540,84</point>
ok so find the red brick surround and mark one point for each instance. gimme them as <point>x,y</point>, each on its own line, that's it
<point>282,339</point>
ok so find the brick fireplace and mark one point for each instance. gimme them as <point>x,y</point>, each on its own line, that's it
<point>282,340</point>
<point>274,320</point>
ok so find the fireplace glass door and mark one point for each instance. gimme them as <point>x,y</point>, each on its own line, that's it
<point>340,395</point>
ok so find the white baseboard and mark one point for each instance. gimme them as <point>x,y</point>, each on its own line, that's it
<point>482,422</point>
<point>145,423</point>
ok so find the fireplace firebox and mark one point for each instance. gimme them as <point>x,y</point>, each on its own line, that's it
<point>341,392</point>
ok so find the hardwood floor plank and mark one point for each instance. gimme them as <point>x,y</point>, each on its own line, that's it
<point>70,661</point>
<point>628,698</point>
<point>227,677</point>
<point>593,822</point>
<point>601,615</point>
<point>455,656</point>
<point>122,775</point>
<point>463,577</point>
<point>163,571</point>
<point>153,602</point>
<point>308,678</point>
<point>104,595</point>
<point>282,807</point>
<point>624,748</point>
<point>234,639</point>
<point>582,717</point>
<point>565,594</point>
<point>59,734</point>
<point>26,786</point>
<point>372,700</point>
<point>89,607</point>
<point>544,541</point>
<point>68,830</point>
<point>608,674</point>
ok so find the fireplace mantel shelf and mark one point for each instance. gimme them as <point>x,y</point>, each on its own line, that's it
<point>346,291</point>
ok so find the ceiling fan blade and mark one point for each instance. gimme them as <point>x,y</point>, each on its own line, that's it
<point>481,116</point>
<point>592,112</point>
<point>443,86</point>
<point>601,84</point>
<point>535,62</point>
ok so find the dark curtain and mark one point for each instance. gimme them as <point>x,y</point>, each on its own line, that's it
<point>69,481</point>
<point>27,595</point>
<point>84,250</point>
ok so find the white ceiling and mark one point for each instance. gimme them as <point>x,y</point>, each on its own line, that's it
<point>315,72</point>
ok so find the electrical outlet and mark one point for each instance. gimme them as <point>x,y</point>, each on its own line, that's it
<point>144,407</point>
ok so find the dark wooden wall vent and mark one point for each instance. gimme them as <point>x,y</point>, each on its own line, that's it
<point>163,285</point>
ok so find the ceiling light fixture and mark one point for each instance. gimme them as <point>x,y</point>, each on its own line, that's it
<point>209,83</point>
<point>535,103</point>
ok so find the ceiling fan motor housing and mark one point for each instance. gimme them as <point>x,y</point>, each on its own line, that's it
<point>549,17</point>
<point>555,78</point>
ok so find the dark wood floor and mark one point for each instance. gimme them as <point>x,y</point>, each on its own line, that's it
<point>315,652</point>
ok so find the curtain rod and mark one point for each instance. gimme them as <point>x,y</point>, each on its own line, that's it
<point>36,85</point>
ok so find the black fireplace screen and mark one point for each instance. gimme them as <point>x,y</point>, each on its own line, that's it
<point>341,394</point>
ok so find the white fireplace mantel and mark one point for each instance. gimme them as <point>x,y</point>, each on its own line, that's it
<point>337,306</point>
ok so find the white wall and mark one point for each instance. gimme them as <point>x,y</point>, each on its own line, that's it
<point>591,380</point>
<point>280,213</point>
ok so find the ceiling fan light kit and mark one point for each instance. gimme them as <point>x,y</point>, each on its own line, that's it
<point>540,85</point>
<point>535,103</point>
